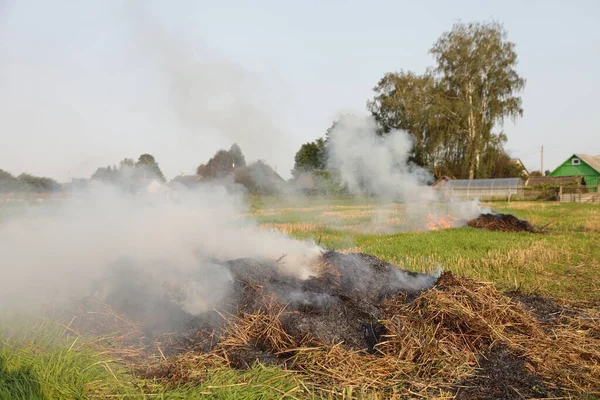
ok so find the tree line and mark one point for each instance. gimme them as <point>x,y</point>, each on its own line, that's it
<point>26,183</point>
<point>452,110</point>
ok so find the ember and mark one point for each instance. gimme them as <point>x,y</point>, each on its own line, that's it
<point>501,222</point>
<point>435,223</point>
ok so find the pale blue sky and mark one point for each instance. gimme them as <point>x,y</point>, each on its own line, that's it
<point>84,84</point>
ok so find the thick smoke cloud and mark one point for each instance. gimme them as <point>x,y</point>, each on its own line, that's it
<point>379,166</point>
<point>58,251</point>
<point>376,165</point>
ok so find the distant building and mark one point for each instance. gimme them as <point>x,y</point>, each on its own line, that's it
<point>584,165</point>
<point>519,163</point>
<point>188,180</point>
<point>441,182</point>
<point>305,182</point>
<point>479,188</point>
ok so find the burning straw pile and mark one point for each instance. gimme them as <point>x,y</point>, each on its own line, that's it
<point>366,325</point>
<point>501,222</point>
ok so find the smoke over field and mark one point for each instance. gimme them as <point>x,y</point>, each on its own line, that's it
<point>379,166</point>
<point>52,252</point>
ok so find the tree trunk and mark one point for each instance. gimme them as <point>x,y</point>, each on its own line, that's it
<point>472,145</point>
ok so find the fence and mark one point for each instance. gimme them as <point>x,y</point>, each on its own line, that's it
<point>551,193</point>
<point>580,194</point>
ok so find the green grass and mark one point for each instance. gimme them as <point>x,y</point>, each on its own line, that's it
<point>38,361</point>
<point>562,264</point>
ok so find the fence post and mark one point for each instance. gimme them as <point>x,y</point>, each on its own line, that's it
<point>560,193</point>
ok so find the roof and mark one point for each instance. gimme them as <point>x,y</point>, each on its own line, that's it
<point>555,180</point>
<point>441,181</point>
<point>305,180</point>
<point>259,170</point>
<point>520,163</point>
<point>188,179</point>
<point>592,161</point>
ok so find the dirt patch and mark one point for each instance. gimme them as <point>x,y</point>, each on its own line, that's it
<point>545,309</point>
<point>501,222</point>
<point>502,375</point>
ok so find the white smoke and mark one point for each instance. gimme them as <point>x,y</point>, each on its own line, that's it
<point>56,251</point>
<point>378,166</point>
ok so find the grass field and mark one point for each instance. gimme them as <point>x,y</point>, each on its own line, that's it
<point>40,361</point>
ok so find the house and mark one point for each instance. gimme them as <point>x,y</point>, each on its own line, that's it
<point>319,180</point>
<point>584,165</point>
<point>188,180</point>
<point>519,163</point>
<point>305,182</point>
<point>441,182</point>
<point>259,178</point>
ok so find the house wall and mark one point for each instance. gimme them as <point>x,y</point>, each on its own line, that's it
<point>590,175</point>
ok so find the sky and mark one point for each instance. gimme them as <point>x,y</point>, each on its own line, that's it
<point>86,84</point>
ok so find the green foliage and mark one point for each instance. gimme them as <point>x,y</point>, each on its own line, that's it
<point>108,174</point>
<point>418,105</point>
<point>148,167</point>
<point>39,363</point>
<point>42,364</point>
<point>9,183</point>
<point>238,157</point>
<point>328,185</point>
<point>311,156</point>
<point>452,109</point>
<point>39,184</point>
<point>130,175</point>
<point>26,183</point>
<point>222,163</point>
<point>476,64</point>
<point>496,163</point>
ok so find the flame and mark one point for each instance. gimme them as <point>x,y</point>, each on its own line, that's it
<point>435,223</point>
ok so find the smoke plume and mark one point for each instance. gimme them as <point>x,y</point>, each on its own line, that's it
<point>53,252</point>
<point>379,166</point>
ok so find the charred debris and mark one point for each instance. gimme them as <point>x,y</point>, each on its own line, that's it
<point>341,303</point>
<point>502,222</point>
<point>359,322</point>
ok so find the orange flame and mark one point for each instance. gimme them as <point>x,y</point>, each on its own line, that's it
<point>435,223</point>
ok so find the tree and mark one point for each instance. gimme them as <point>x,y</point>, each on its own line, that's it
<point>219,166</point>
<point>149,167</point>
<point>497,163</point>
<point>126,163</point>
<point>476,67</point>
<point>222,163</point>
<point>106,174</point>
<point>451,110</point>
<point>418,105</point>
<point>310,157</point>
<point>39,184</point>
<point>238,157</point>
<point>9,183</point>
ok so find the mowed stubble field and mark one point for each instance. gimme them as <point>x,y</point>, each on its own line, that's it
<point>42,361</point>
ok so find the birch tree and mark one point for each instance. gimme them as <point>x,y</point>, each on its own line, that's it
<point>476,67</point>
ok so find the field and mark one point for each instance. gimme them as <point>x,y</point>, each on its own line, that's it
<point>44,360</point>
